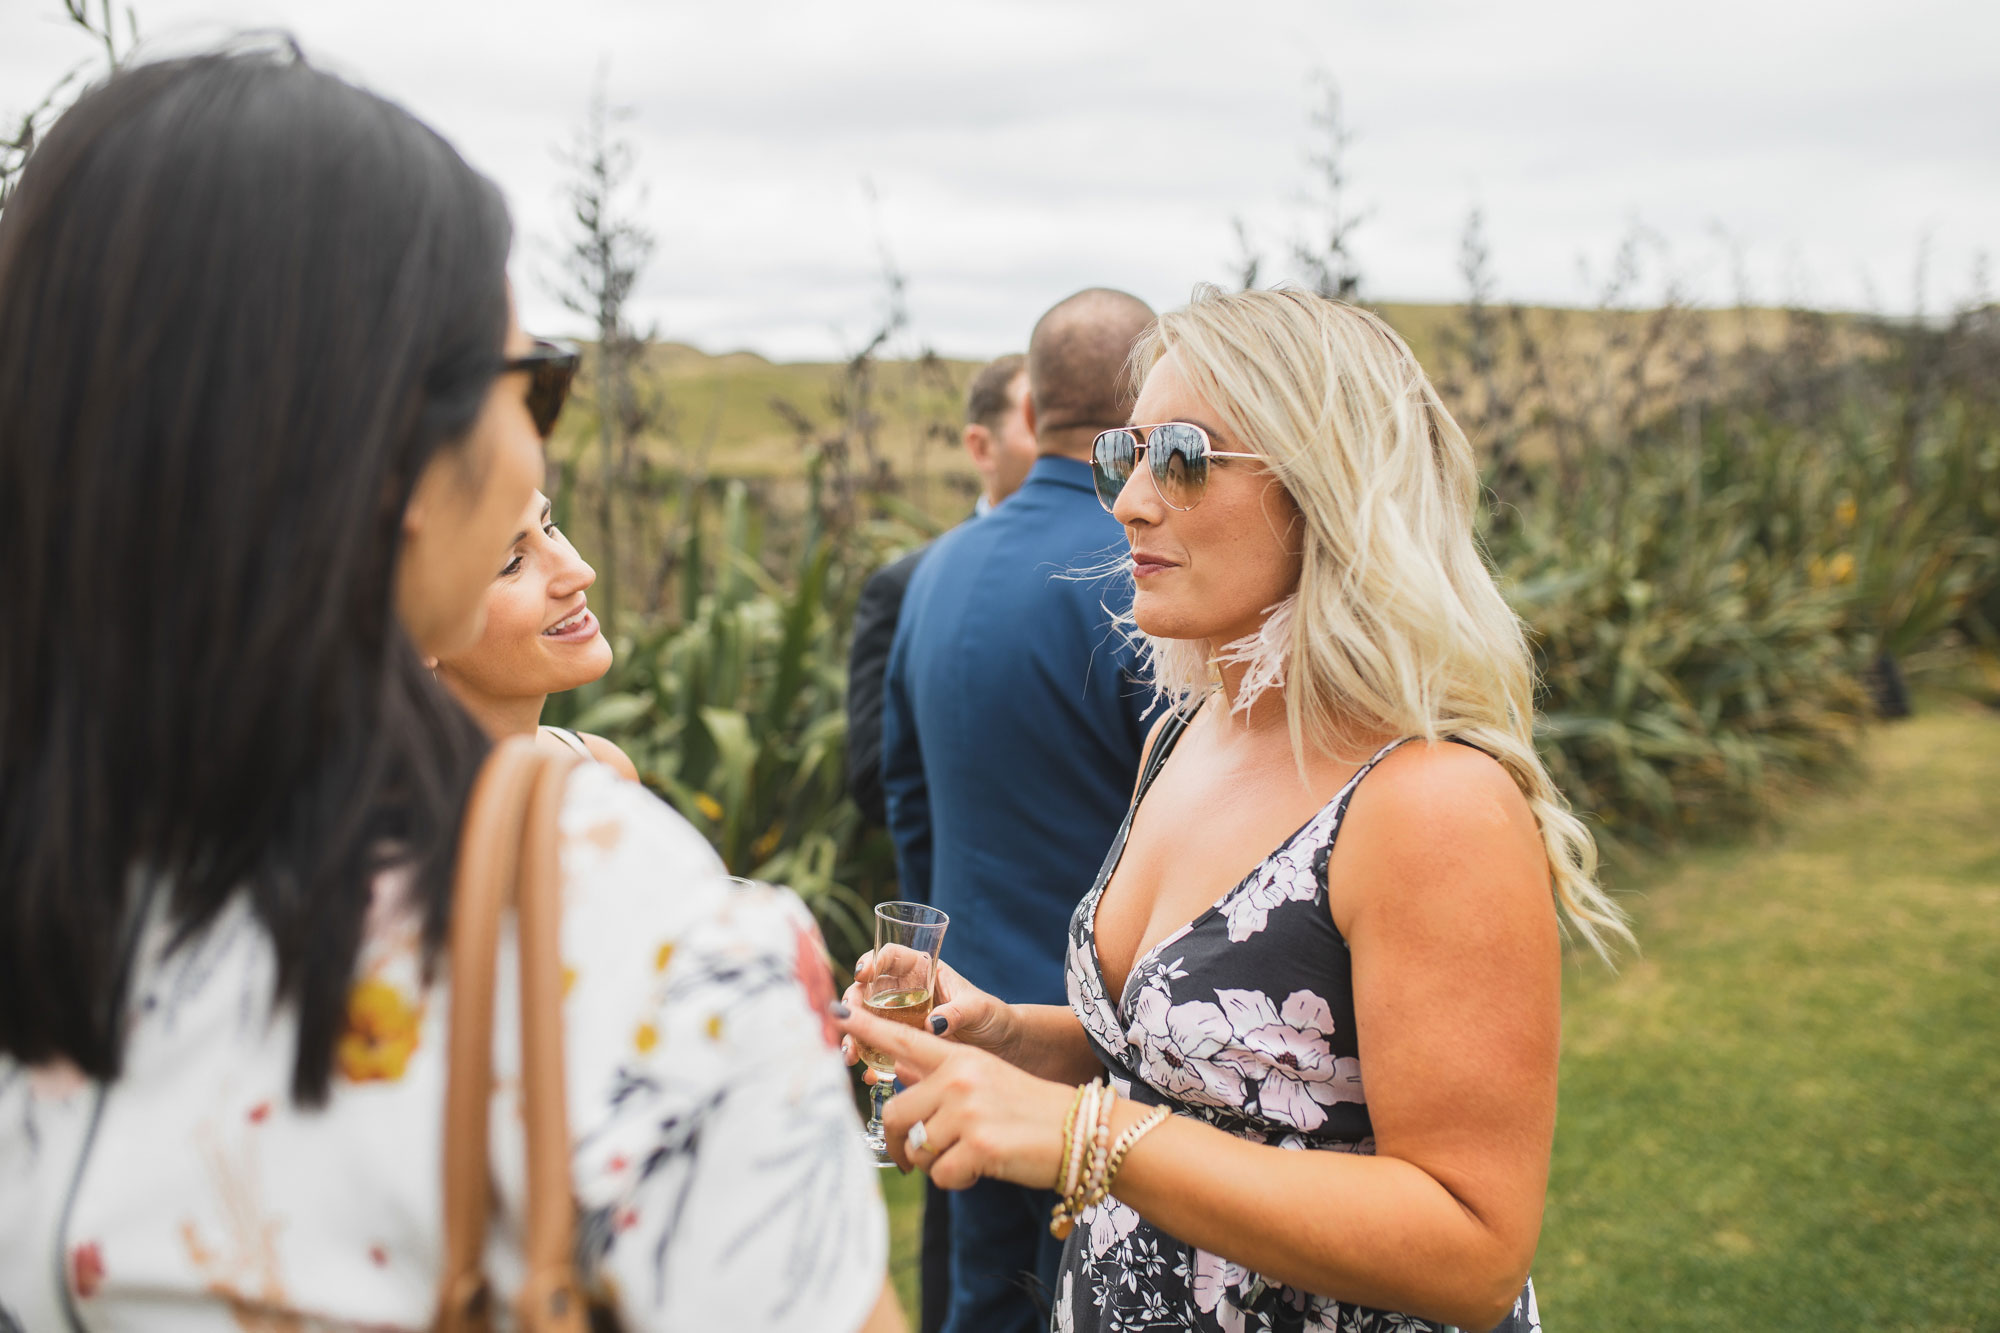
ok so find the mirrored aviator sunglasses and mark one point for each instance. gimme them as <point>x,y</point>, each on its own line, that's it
<point>1177,456</point>
<point>550,367</point>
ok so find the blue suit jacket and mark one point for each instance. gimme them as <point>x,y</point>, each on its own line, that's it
<point>1012,721</point>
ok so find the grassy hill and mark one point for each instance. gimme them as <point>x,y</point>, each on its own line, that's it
<point>738,415</point>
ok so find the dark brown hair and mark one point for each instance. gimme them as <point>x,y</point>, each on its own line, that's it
<point>986,398</point>
<point>242,305</point>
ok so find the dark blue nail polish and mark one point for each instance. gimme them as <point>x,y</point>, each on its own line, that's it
<point>938,1024</point>
<point>839,1010</point>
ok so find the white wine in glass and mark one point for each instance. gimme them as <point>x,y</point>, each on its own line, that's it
<point>911,1008</point>
<point>902,990</point>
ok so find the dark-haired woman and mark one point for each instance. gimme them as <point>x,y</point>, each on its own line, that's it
<point>266,429</point>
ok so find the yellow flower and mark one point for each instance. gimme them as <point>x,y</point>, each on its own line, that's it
<point>381,1033</point>
<point>1845,511</point>
<point>710,808</point>
<point>646,1038</point>
<point>1842,568</point>
<point>764,846</point>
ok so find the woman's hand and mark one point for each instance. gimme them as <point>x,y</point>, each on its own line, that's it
<point>963,1012</point>
<point>982,1117</point>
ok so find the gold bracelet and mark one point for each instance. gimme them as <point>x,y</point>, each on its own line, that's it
<point>1152,1120</point>
<point>1088,1190</point>
<point>1068,1138</point>
<point>1105,1164</point>
<point>1079,1160</point>
<point>1083,1112</point>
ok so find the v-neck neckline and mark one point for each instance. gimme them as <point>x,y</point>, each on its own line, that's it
<point>1140,960</point>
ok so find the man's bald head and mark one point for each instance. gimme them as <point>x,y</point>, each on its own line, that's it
<point>1076,368</point>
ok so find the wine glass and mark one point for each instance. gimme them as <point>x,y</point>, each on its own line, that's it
<point>907,939</point>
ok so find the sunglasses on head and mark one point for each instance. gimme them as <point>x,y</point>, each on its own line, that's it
<point>1177,455</point>
<point>550,369</point>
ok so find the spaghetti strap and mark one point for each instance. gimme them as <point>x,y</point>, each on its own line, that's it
<point>1163,745</point>
<point>571,739</point>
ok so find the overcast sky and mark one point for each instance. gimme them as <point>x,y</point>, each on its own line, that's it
<point>1007,152</point>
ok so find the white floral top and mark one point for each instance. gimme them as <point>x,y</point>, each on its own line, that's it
<point>1243,1018</point>
<point>718,1162</point>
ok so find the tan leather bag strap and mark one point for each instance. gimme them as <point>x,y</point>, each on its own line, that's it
<point>508,850</point>
<point>488,850</point>
<point>550,1298</point>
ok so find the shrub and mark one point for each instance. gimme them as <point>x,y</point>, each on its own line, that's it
<point>1711,541</point>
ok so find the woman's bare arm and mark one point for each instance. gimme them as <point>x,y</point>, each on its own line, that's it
<point>1047,1041</point>
<point>1442,892</point>
<point>1457,977</point>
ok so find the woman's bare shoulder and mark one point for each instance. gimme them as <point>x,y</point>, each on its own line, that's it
<point>1441,778</point>
<point>1432,818</point>
<point>607,753</point>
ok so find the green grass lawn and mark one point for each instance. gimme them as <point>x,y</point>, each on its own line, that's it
<point>906,1220</point>
<point>1785,1114</point>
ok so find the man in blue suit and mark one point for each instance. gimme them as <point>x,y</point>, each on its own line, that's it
<point>1013,718</point>
<point>1003,451</point>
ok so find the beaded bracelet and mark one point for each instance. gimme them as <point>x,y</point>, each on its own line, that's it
<point>1105,1165</point>
<point>1100,1152</point>
<point>1094,1134</point>
<point>1083,1113</point>
<point>1147,1124</point>
<point>1090,1109</point>
<point>1092,1190</point>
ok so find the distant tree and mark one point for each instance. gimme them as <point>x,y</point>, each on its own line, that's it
<point>1248,261</point>
<point>1325,258</point>
<point>848,472</point>
<point>857,400</point>
<point>33,123</point>
<point>603,256</point>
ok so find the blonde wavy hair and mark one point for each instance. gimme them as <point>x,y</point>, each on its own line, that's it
<point>1396,625</point>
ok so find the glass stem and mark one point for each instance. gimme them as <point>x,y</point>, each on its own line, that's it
<point>878,1093</point>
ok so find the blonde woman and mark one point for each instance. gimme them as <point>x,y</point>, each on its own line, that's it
<point>1327,939</point>
<point>540,638</point>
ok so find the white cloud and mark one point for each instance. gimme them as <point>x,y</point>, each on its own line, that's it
<point>1019,149</point>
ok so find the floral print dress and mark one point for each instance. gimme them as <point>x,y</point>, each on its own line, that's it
<point>1244,1019</point>
<point>717,1164</point>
